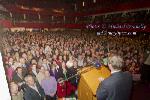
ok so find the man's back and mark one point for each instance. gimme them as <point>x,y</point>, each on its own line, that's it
<point>116,87</point>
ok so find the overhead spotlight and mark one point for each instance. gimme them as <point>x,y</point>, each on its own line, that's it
<point>39,16</point>
<point>75,7</point>
<point>52,18</point>
<point>83,3</point>
<point>134,33</point>
<point>94,1</point>
<point>10,14</point>
<point>24,16</point>
<point>64,18</point>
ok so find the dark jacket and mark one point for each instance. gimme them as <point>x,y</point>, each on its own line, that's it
<point>116,87</point>
<point>58,73</point>
<point>17,79</point>
<point>31,94</point>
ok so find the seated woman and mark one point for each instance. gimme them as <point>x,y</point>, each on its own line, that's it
<point>16,95</point>
<point>49,84</point>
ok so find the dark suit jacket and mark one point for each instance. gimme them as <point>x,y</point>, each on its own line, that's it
<point>17,79</point>
<point>71,72</point>
<point>116,87</point>
<point>31,94</point>
<point>57,73</point>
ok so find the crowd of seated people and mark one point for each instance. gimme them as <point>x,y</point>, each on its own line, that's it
<point>38,64</point>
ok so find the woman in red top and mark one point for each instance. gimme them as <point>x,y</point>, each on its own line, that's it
<point>64,88</point>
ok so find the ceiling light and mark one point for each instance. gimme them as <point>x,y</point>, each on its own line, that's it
<point>94,1</point>
<point>75,7</point>
<point>24,16</point>
<point>83,3</point>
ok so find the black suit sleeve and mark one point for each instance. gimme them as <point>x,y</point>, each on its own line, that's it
<point>41,90</point>
<point>27,96</point>
<point>101,92</point>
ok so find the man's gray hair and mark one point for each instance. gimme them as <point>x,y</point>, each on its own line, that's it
<point>116,62</point>
<point>26,77</point>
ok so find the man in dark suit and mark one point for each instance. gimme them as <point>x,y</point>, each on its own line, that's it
<point>56,71</point>
<point>33,91</point>
<point>18,77</point>
<point>118,85</point>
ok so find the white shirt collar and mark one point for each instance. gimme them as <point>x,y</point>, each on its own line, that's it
<point>35,88</point>
<point>115,71</point>
<point>34,71</point>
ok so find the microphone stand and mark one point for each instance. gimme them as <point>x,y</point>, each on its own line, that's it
<point>90,68</point>
<point>78,74</point>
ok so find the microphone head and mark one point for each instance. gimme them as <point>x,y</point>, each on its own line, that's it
<point>97,65</point>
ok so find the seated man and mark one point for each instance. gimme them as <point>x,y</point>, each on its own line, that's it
<point>33,90</point>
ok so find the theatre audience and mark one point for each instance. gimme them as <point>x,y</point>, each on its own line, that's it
<point>63,53</point>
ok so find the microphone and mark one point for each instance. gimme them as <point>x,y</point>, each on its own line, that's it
<point>96,64</point>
